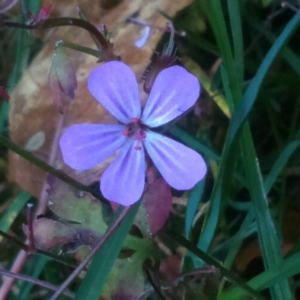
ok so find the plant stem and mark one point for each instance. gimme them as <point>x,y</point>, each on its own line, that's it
<point>25,247</point>
<point>106,46</point>
<point>43,165</point>
<point>79,48</point>
<point>31,244</point>
<point>41,283</point>
<point>105,237</point>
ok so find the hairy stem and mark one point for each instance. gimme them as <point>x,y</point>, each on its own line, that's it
<point>106,46</point>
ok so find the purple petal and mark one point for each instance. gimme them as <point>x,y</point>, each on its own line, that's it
<point>144,38</point>
<point>124,180</point>
<point>85,146</point>
<point>174,91</point>
<point>114,85</point>
<point>179,165</point>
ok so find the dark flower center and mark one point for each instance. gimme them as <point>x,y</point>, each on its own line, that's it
<point>137,131</point>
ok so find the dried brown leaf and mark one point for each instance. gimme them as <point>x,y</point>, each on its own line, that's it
<point>33,117</point>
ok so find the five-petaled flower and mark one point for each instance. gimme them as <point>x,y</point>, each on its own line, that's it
<point>114,85</point>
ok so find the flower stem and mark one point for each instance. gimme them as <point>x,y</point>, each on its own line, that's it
<point>106,46</point>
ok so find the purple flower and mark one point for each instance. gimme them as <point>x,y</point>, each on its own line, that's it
<point>114,85</point>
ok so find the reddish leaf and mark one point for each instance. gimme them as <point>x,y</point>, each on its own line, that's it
<point>158,204</point>
<point>155,208</point>
<point>170,267</point>
<point>62,79</point>
<point>3,94</point>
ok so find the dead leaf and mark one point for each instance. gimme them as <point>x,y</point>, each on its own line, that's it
<point>33,113</point>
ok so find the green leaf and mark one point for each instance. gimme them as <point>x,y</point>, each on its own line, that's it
<point>62,79</point>
<point>290,56</point>
<point>193,143</point>
<point>192,206</point>
<point>99,270</point>
<point>71,204</point>
<point>13,211</point>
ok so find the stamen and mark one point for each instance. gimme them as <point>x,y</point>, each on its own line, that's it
<point>140,136</point>
<point>135,120</point>
<point>126,132</point>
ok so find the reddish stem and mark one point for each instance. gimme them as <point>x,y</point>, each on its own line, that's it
<point>31,244</point>
<point>35,281</point>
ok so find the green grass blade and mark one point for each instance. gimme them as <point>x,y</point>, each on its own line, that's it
<point>192,206</point>
<point>267,235</point>
<point>250,162</point>
<point>280,164</point>
<point>13,211</point>
<point>237,37</point>
<point>290,56</point>
<point>255,84</point>
<point>287,268</point>
<point>269,181</point>
<point>193,143</point>
<point>22,55</point>
<point>36,266</point>
<point>236,244</point>
<point>94,280</point>
<point>234,278</point>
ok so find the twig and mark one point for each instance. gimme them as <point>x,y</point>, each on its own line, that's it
<point>104,238</point>
<point>35,281</point>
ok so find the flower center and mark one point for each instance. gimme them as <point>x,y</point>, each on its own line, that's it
<point>137,131</point>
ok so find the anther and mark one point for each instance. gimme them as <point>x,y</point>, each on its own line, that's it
<point>126,132</point>
<point>134,120</point>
